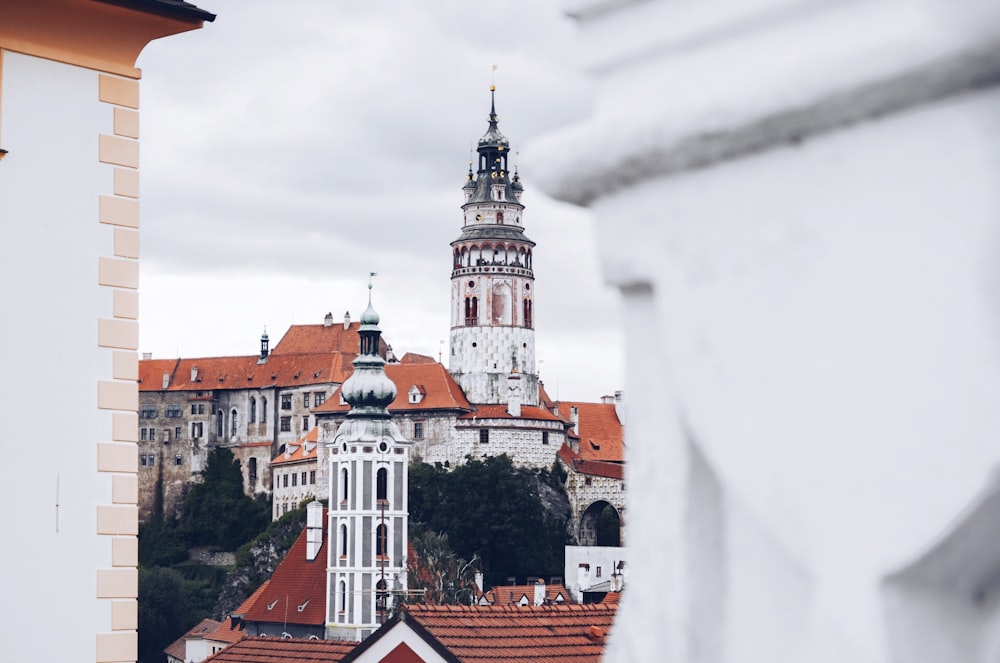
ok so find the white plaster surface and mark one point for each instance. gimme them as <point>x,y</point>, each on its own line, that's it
<point>812,326</point>
<point>51,118</point>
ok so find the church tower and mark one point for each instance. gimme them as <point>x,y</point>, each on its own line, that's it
<point>492,286</point>
<point>368,498</point>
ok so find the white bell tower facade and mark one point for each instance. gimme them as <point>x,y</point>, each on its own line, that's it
<point>492,283</point>
<point>368,499</point>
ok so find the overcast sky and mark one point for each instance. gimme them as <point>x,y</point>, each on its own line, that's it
<point>289,149</point>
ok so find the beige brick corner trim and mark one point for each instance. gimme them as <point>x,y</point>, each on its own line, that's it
<point>118,583</point>
<point>117,647</point>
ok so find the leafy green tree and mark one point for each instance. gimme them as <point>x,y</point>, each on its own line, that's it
<point>217,512</point>
<point>167,608</point>
<point>491,509</point>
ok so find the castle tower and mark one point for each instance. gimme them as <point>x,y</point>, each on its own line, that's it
<point>368,498</point>
<point>492,284</point>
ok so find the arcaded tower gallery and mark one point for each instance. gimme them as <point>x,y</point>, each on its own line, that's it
<point>492,335</point>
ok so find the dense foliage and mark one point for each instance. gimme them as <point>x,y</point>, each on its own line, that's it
<point>175,593</point>
<point>491,509</point>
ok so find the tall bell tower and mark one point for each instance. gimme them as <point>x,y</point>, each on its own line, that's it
<point>492,283</point>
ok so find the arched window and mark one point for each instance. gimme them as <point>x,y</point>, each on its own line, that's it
<point>468,310</point>
<point>234,419</point>
<point>342,591</point>
<point>220,423</point>
<point>381,541</point>
<point>382,485</point>
<point>527,313</point>
<point>253,470</point>
<point>253,410</point>
<point>343,486</point>
<point>263,410</point>
<point>343,540</point>
<point>475,310</point>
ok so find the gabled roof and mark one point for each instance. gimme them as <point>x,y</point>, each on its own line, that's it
<point>291,650</point>
<point>304,449</point>
<point>595,468</point>
<point>245,606</point>
<point>463,634</point>
<point>296,593</point>
<point>500,412</point>
<point>601,432</point>
<point>512,594</point>
<point>441,392</point>
<point>311,339</point>
<point>414,358</point>
<point>230,631</point>
<point>178,648</point>
<point>290,370</point>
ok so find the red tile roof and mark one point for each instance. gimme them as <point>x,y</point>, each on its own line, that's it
<point>305,448</point>
<point>511,594</point>
<point>292,650</point>
<point>552,633</point>
<point>500,412</point>
<point>310,339</point>
<point>242,610</point>
<point>229,631</point>
<point>295,594</point>
<point>601,433</point>
<point>289,370</point>
<point>178,648</point>
<point>441,392</point>
<point>595,468</point>
<point>414,358</point>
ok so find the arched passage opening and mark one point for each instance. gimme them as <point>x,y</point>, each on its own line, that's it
<point>600,525</point>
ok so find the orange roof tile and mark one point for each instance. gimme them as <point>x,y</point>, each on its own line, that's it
<point>500,412</point>
<point>295,594</point>
<point>595,468</point>
<point>292,650</point>
<point>304,449</point>
<point>543,398</point>
<point>414,358</point>
<point>601,432</point>
<point>229,631</point>
<point>178,648</point>
<point>511,594</point>
<point>441,392</point>
<point>242,610</point>
<point>552,633</point>
<point>289,370</point>
<point>312,339</point>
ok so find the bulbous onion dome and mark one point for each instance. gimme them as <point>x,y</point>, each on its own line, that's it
<point>369,390</point>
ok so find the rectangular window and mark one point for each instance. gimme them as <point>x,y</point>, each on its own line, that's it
<point>201,408</point>
<point>285,482</point>
<point>286,424</point>
<point>142,460</point>
<point>166,435</point>
<point>295,479</point>
<point>484,436</point>
<point>597,574</point>
<point>174,411</point>
<point>304,474</point>
<point>194,408</point>
<point>197,429</point>
<point>286,401</point>
<point>152,460</point>
<point>178,460</point>
<point>312,476</point>
<point>418,430</point>
<point>545,437</point>
<point>142,434</point>
<point>305,424</point>
<point>147,413</point>
<point>177,432</point>
<point>319,398</point>
<point>305,399</point>
<point>152,434</point>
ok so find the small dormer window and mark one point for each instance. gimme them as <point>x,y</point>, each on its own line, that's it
<point>416,393</point>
